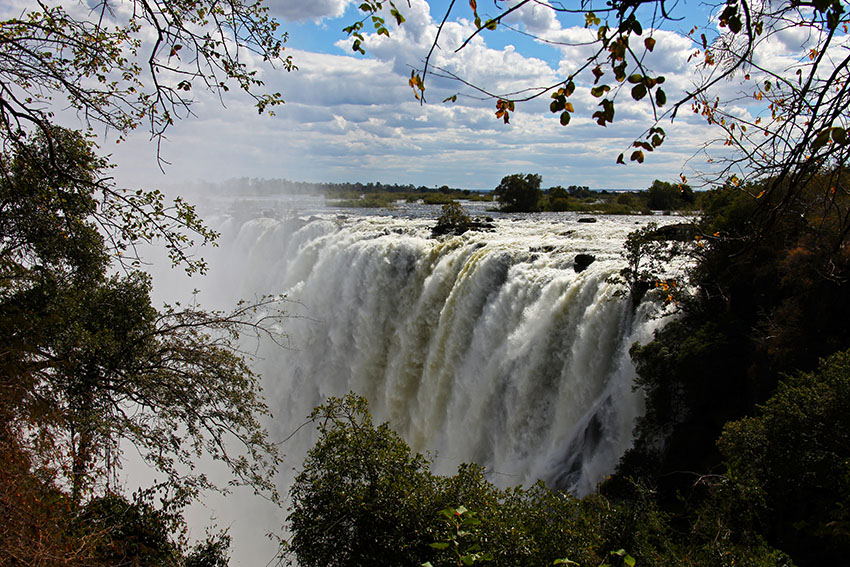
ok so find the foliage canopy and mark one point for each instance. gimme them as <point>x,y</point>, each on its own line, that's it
<point>519,192</point>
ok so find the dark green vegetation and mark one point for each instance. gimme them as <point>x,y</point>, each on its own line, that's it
<point>520,192</point>
<point>770,302</point>
<point>742,455</point>
<point>454,219</point>
<point>378,197</point>
<point>362,498</point>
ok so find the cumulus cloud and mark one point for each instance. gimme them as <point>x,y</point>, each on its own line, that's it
<point>350,117</point>
<point>534,17</point>
<point>314,10</point>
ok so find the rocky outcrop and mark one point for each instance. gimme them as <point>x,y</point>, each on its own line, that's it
<point>582,261</point>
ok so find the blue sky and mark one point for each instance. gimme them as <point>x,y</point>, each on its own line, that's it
<point>350,117</point>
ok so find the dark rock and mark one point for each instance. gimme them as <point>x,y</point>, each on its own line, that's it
<point>587,219</point>
<point>475,224</point>
<point>681,231</point>
<point>582,261</point>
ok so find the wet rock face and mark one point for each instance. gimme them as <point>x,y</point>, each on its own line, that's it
<point>587,219</point>
<point>582,261</point>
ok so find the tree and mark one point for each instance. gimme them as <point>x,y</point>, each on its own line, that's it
<point>130,65</point>
<point>453,219</point>
<point>362,497</point>
<point>753,310</point>
<point>111,73</point>
<point>89,368</point>
<point>667,196</point>
<point>519,192</point>
<point>791,462</point>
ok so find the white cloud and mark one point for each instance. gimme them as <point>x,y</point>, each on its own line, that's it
<point>315,10</point>
<point>350,117</point>
<point>535,17</point>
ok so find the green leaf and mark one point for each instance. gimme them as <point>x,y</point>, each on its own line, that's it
<point>660,97</point>
<point>600,90</point>
<point>639,91</point>
<point>399,18</point>
<point>821,139</point>
<point>565,118</point>
<point>439,545</point>
<point>839,135</point>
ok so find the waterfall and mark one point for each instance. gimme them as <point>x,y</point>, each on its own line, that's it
<point>486,347</point>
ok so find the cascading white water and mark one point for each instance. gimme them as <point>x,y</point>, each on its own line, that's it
<point>485,347</point>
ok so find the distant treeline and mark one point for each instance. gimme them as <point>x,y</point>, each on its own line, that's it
<point>256,186</point>
<point>516,193</point>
